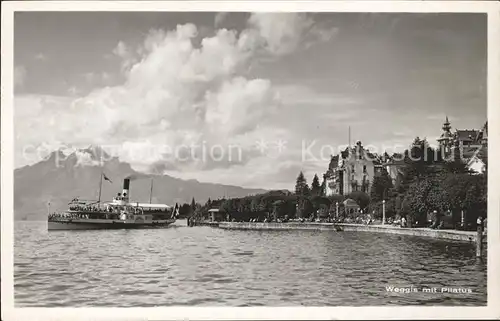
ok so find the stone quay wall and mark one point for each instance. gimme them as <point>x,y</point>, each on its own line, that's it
<point>464,236</point>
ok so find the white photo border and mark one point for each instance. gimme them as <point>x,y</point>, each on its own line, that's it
<point>491,8</point>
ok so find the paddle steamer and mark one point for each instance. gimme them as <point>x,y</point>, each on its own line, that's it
<point>120,213</point>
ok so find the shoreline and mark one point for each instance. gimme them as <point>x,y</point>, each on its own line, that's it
<point>456,235</point>
<point>452,235</point>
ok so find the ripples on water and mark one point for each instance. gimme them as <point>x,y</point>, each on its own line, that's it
<point>213,267</point>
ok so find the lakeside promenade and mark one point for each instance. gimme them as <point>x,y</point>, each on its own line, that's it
<point>456,235</point>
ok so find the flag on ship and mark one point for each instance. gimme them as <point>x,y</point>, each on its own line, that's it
<point>175,213</point>
<point>106,178</point>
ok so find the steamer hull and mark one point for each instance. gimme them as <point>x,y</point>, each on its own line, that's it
<point>105,225</point>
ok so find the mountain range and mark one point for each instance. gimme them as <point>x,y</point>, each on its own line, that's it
<point>60,177</point>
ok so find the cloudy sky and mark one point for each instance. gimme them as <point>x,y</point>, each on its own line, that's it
<point>240,98</point>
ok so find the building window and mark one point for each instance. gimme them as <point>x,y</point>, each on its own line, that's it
<point>364,168</point>
<point>365,186</point>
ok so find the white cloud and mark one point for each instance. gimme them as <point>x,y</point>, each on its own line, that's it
<point>284,33</point>
<point>175,94</point>
<point>219,18</point>
<point>19,76</point>
<point>237,100</point>
<point>73,91</point>
<point>40,126</point>
<point>121,50</point>
<point>321,35</point>
<point>85,159</point>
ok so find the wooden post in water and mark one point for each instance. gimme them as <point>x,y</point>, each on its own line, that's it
<point>479,239</point>
<point>383,212</point>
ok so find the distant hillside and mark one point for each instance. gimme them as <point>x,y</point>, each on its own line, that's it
<point>78,176</point>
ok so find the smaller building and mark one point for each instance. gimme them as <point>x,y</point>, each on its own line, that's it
<point>477,163</point>
<point>350,206</point>
<point>216,215</point>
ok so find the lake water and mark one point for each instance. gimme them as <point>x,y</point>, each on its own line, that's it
<point>203,266</point>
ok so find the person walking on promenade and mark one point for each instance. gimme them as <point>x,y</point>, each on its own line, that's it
<point>436,219</point>
<point>480,221</point>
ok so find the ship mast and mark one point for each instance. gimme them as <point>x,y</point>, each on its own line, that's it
<point>151,191</point>
<point>100,181</point>
<point>100,189</point>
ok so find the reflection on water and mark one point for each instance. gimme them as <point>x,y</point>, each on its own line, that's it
<point>214,267</point>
